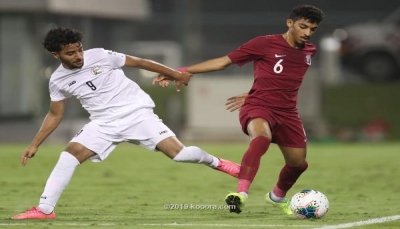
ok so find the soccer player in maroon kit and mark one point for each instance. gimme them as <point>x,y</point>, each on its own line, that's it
<point>268,113</point>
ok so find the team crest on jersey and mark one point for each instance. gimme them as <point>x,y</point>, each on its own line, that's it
<point>307,59</point>
<point>97,70</point>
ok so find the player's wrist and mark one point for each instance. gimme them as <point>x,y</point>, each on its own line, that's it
<point>182,69</point>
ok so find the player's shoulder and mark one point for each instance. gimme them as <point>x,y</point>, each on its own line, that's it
<point>273,36</point>
<point>58,72</point>
<point>95,52</point>
<point>97,56</point>
<point>101,53</point>
<point>268,39</point>
<point>310,47</point>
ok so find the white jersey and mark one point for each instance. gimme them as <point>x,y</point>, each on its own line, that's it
<point>101,86</point>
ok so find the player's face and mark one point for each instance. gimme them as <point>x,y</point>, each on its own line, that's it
<point>71,56</point>
<point>301,31</point>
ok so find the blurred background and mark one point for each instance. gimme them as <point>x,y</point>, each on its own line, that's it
<point>350,93</point>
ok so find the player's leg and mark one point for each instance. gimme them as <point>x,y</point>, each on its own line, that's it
<point>175,150</point>
<point>295,165</point>
<point>76,153</point>
<point>69,159</point>
<point>157,136</point>
<point>292,141</point>
<point>260,135</point>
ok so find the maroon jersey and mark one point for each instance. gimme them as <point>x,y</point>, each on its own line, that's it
<point>278,70</point>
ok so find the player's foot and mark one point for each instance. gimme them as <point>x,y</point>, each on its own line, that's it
<point>235,201</point>
<point>34,213</point>
<point>228,167</point>
<point>284,206</point>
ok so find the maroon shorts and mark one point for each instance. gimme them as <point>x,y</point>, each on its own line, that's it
<point>286,127</point>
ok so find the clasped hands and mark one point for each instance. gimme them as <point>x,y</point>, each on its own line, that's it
<point>233,103</point>
<point>180,78</point>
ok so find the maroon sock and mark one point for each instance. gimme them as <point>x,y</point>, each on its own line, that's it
<point>287,177</point>
<point>251,162</point>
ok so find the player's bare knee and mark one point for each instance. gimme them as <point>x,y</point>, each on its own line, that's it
<point>266,136</point>
<point>170,146</point>
<point>172,152</point>
<point>263,135</point>
<point>302,165</point>
<point>80,152</point>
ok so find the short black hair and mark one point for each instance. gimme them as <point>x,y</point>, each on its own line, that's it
<point>308,12</point>
<point>59,37</point>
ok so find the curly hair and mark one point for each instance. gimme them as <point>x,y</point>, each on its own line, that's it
<point>308,12</point>
<point>59,37</point>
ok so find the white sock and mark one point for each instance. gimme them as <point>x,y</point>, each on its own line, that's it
<point>276,198</point>
<point>57,182</point>
<point>193,154</point>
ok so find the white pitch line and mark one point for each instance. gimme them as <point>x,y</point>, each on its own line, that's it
<point>59,224</point>
<point>339,226</point>
<point>224,225</point>
<point>361,223</point>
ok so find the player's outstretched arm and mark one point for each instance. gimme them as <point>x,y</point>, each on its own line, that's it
<point>179,77</point>
<point>206,66</point>
<point>50,123</point>
<point>235,102</point>
<point>211,65</point>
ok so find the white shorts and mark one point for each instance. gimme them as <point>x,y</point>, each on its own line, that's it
<point>102,138</point>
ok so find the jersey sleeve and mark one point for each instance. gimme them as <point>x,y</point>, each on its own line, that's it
<point>56,94</point>
<point>116,59</point>
<point>249,51</point>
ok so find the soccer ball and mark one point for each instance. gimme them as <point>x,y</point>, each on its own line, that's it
<point>309,204</point>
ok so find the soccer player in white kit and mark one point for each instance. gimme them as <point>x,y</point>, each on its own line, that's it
<point>120,111</point>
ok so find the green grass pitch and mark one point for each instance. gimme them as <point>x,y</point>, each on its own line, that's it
<point>131,188</point>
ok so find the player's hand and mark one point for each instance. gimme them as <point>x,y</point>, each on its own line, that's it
<point>27,154</point>
<point>182,78</point>
<point>162,80</point>
<point>236,102</point>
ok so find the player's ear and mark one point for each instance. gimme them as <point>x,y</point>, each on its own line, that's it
<point>289,23</point>
<point>55,55</point>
